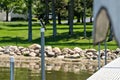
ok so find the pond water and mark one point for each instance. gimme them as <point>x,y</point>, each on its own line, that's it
<point>26,74</point>
<point>60,75</point>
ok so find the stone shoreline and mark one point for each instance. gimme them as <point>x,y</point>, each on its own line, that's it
<point>66,64</point>
<point>56,59</point>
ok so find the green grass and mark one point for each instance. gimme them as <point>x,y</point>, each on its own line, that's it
<point>16,33</point>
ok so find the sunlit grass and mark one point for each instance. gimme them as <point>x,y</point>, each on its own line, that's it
<point>16,33</point>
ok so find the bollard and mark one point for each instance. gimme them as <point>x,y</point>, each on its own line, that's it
<point>42,54</point>
<point>12,68</point>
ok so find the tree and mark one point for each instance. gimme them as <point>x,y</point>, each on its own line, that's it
<point>61,9</point>
<point>9,6</point>
<point>89,5</point>
<point>78,9</point>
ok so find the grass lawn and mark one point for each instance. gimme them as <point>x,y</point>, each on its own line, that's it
<point>16,33</point>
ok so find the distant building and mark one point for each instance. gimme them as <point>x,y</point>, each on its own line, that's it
<point>11,16</point>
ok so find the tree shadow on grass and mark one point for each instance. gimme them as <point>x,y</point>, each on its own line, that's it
<point>64,38</point>
<point>13,40</point>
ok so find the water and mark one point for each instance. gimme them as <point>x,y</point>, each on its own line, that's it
<point>60,75</point>
<point>26,74</point>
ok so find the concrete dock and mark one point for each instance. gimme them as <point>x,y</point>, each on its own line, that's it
<point>111,71</point>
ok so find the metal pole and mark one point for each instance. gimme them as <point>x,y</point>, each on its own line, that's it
<point>11,68</point>
<point>99,56</point>
<point>105,52</point>
<point>42,54</point>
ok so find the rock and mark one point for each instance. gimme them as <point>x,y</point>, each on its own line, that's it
<point>89,55</point>
<point>57,51</point>
<point>71,52</point>
<point>26,53</point>
<point>72,56</point>
<point>82,54</point>
<point>2,49</point>
<point>20,48</point>
<point>13,48</point>
<point>11,53</point>
<point>77,50</point>
<point>118,49</point>
<point>1,53</point>
<point>48,48</point>
<point>95,57</point>
<point>90,50</point>
<point>37,51</point>
<point>50,54</point>
<point>32,54</point>
<point>31,50</point>
<point>34,46</point>
<point>7,51</point>
<point>65,51</point>
<point>24,49</point>
<point>60,57</point>
<point>18,53</point>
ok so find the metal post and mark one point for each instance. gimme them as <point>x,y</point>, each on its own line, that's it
<point>42,54</point>
<point>11,68</point>
<point>105,52</point>
<point>99,56</point>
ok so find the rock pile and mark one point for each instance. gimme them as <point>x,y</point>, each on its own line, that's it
<point>34,50</point>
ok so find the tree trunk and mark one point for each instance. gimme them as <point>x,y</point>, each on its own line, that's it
<point>30,21</point>
<point>54,18</point>
<point>71,16</point>
<point>7,15</point>
<point>85,19</point>
<point>59,18</point>
<point>90,19</point>
<point>78,17</point>
<point>47,12</point>
<point>82,17</point>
